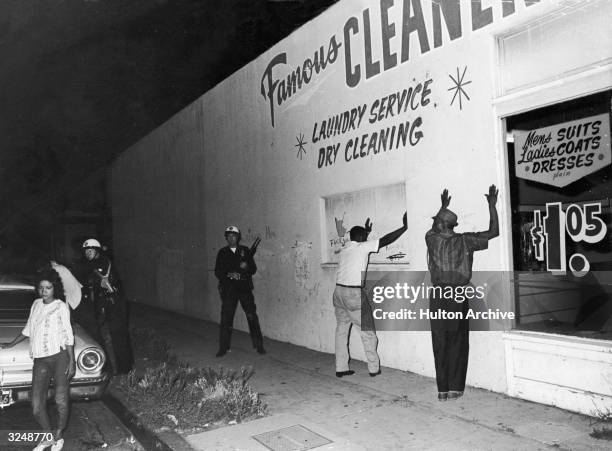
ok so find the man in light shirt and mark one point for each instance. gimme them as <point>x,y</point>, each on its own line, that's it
<point>348,296</point>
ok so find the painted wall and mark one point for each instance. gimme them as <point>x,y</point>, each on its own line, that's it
<point>225,160</point>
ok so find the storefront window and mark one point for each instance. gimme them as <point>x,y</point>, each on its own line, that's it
<point>561,190</point>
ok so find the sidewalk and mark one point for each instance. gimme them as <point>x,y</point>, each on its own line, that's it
<point>395,410</point>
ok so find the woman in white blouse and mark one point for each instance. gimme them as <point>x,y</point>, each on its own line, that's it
<point>51,347</point>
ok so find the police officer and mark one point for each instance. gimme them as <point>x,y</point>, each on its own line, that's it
<point>234,268</point>
<point>103,310</point>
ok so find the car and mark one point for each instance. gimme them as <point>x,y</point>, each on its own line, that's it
<point>90,379</point>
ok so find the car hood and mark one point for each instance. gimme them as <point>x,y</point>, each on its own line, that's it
<point>10,283</point>
<point>15,362</point>
<point>17,357</point>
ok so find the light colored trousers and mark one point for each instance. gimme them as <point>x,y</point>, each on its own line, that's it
<point>347,306</point>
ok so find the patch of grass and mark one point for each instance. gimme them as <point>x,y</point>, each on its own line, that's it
<point>167,393</point>
<point>604,432</point>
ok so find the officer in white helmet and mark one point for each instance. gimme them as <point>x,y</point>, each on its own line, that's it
<point>104,310</point>
<point>92,248</point>
<point>234,268</point>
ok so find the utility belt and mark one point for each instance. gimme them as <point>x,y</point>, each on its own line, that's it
<point>239,278</point>
<point>98,293</point>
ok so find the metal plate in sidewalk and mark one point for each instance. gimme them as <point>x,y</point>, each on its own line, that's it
<point>292,438</point>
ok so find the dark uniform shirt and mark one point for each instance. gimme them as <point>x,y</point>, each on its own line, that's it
<point>90,274</point>
<point>104,313</point>
<point>228,262</point>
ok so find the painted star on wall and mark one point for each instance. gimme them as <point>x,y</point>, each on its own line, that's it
<point>300,145</point>
<point>458,87</point>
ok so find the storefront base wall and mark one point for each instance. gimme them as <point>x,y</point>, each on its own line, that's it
<point>581,382</point>
<point>412,351</point>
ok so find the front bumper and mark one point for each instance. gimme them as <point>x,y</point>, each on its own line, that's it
<point>82,389</point>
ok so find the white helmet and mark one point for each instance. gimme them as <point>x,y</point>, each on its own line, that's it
<point>232,229</point>
<point>91,243</point>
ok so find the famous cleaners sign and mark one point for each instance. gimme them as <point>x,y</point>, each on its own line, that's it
<point>563,153</point>
<point>364,54</point>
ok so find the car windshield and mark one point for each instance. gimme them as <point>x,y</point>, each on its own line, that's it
<point>15,304</point>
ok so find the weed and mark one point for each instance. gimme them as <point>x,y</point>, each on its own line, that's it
<point>605,417</point>
<point>192,396</point>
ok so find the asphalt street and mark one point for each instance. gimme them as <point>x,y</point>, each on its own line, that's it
<point>92,426</point>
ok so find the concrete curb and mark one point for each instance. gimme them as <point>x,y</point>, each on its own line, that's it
<point>150,440</point>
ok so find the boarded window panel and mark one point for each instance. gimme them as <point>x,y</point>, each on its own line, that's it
<point>384,206</point>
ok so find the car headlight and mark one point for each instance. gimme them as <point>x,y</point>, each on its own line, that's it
<point>90,360</point>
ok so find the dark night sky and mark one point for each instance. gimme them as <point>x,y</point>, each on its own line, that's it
<point>81,80</point>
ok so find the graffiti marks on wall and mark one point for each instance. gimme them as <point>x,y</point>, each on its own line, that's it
<point>398,256</point>
<point>340,229</point>
<point>458,88</point>
<point>251,234</point>
<point>301,252</point>
<point>270,234</point>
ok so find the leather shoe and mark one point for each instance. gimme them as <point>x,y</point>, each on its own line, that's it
<point>455,394</point>
<point>221,352</point>
<point>375,374</point>
<point>443,396</point>
<point>261,350</point>
<point>344,373</point>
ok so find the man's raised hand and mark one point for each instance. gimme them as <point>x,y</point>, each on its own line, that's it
<point>368,225</point>
<point>445,198</point>
<point>492,196</point>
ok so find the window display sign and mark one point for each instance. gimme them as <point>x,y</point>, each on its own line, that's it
<point>580,223</point>
<point>563,153</point>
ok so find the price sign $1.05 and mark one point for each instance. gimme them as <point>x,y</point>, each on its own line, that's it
<point>579,223</point>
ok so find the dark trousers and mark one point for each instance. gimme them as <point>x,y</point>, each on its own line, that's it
<point>115,337</point>
<point>451,349</point>
<point>108,325</point>
<point>44,369</point>
<point>230,296</point>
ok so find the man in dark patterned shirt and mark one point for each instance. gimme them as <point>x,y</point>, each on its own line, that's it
<point>449,259</point>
